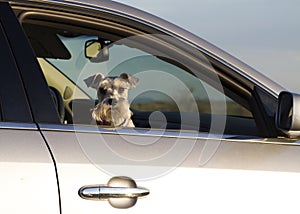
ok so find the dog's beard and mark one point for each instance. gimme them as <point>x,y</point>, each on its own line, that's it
<point>114,114</point>
<point>102,112</point>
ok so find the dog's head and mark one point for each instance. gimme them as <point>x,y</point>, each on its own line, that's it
<point>112,92</point>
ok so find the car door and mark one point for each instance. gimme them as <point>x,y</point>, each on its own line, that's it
<point>164,164</point>
<point>28,178</point>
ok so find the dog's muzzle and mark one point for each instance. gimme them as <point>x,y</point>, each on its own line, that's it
<point>111,101</point>
<point>113,112</point>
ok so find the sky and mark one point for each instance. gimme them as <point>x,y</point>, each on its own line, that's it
<point>265,34</point>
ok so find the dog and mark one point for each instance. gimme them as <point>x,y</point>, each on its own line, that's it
<point>112,92</point>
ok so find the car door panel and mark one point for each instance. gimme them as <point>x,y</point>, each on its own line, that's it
<point>28,182</point>
<point>199,173</point>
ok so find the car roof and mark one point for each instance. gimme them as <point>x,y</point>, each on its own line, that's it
<point>124,10</point>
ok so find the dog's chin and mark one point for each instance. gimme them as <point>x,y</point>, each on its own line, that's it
<point>112,115</point>
<point>101,113</point>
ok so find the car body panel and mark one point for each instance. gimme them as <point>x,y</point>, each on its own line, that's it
<point>28,179</point>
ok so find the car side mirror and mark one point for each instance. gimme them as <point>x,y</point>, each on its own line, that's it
<point>288,114</point>
<point>96,51</point>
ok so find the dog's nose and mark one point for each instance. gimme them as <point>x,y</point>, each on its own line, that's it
<point>110,101</point>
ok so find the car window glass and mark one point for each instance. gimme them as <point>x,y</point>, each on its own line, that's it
<point>158,84</point>
<point>164,86</point>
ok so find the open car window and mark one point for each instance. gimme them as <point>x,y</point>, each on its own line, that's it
<point>178,87</point>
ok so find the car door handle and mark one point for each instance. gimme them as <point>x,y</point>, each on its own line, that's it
<point>121,192</point>
<point>107,192</point>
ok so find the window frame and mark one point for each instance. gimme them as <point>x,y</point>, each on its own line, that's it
<point>12,93</point>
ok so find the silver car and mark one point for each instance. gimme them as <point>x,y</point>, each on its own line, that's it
<point>211,135</point>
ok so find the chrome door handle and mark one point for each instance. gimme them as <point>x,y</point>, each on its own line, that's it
<point>107,192</point>
<point>121,192</point>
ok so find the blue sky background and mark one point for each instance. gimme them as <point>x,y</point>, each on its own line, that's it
<point>263,33</point>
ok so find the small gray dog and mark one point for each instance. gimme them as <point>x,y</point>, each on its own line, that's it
<point>112,91</point>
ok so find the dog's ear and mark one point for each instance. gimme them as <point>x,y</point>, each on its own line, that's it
<point>94,81</point>
<point>133,81</point>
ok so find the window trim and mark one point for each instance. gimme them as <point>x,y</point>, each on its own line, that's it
<point>183,134</point>
<point>18,126</point>
<point>29,70</point>
<point>12,94</point>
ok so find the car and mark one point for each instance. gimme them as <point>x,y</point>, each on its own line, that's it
<point>211,133</point>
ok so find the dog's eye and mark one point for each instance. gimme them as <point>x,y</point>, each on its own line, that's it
<point>121,90</point>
